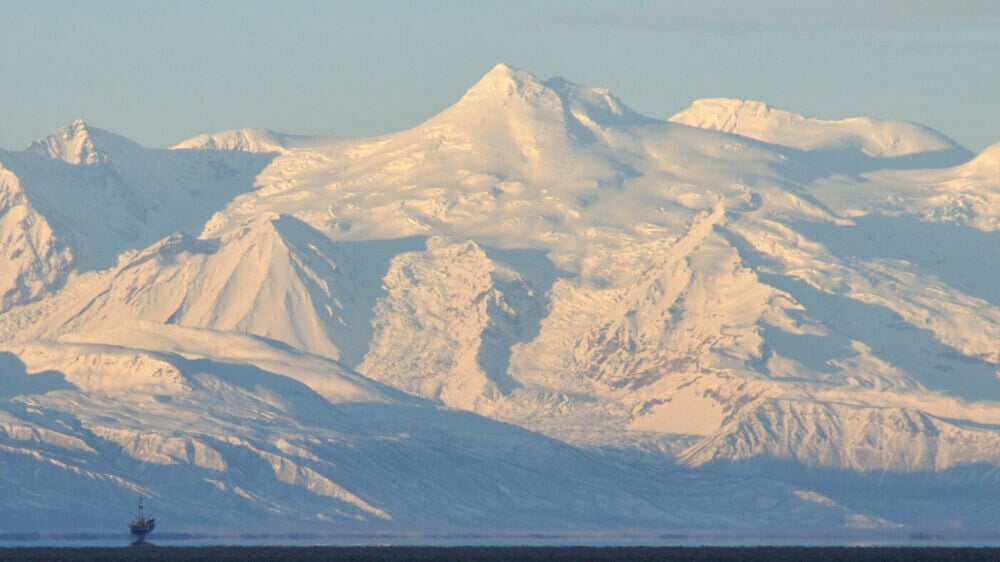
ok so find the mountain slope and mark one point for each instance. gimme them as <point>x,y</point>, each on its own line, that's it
<point>213,442</point>
<point>277,278</point>
<point>446,324</point>
<point>35,262</point>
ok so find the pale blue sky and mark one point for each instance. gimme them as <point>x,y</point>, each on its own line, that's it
<point>160,72</point>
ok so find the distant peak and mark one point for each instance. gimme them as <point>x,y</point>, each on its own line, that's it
<point>80,144</point>
<point>986,162</point>
<point>239,140</point>
<point>73,144</point>
<point>754,119</point>
<point>506,95</point>
<point>502,94</point>
<point>729,114</point>
<point>732,103</point>
<point>991,153</point>
<point>504,72</point>
<point>504,80</point>
<point>502,69</point>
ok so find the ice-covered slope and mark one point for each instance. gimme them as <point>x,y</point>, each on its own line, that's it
<point>219,443</point>
<point>866,439</point>
<point>34,262</point>
<point>466,310</point>
<point>804,299</point>
<point>276,278</point>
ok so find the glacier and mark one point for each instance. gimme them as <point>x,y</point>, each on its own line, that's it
<point>537,310</point>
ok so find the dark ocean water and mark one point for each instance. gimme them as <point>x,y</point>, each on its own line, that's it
<point>504,553</point>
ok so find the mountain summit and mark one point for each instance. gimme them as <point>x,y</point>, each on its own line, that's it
<point>81,144</point>
<point>986,162</point>
<point>244,140</point>
<point>509,98</point>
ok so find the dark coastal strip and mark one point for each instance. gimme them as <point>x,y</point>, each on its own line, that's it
<point>504,553</point>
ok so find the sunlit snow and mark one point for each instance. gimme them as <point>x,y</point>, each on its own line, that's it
<point>537,309</point>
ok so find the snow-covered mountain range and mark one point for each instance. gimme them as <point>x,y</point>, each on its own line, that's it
<point>536,310</point>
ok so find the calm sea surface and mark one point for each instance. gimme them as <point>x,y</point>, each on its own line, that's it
<point>505,553</point>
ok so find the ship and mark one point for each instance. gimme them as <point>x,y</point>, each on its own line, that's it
<point>141,526</point>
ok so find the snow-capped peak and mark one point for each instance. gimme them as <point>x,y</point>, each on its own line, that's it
<point>242,140</point>
<point>81,144</point>
<point>990,156</point>
<point>728,115</point>
<point>501,86</point>
<point>72,144</point>
<point>873,137</point>
<point>530,109</point>
<point>504,80</point>
<point>986,163</point>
